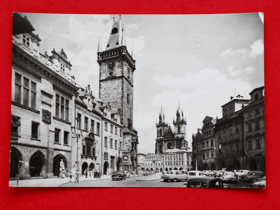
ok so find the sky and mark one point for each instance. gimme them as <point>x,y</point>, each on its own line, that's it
<point>196,62</point>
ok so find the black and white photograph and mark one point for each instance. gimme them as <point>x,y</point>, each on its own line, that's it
<point>137,101</point>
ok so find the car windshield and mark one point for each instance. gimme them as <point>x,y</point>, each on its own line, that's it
<point>192,173</point>
<point>197,184</point>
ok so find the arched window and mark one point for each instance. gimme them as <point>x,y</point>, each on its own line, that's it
<point>114,30</point>
<point>160,132</point>
<point>178,128</point>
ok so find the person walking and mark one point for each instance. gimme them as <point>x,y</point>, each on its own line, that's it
<point>70,175</point>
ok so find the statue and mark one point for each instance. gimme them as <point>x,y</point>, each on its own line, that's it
<point>62,169</point>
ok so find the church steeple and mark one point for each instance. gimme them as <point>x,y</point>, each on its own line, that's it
<point>116,35</point>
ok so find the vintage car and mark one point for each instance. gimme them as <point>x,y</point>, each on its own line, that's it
<point>259,183</point>
<point>229,176</point>
<point>174,176</point>
<point>241,174</point>
<point>254,175</point>
<point>205,182</point>
<point>193,174</point>
<point>118,175</point>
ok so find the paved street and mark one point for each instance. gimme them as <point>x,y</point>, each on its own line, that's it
<point>135,182</point>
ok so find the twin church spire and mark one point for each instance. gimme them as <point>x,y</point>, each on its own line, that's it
<point>179,116</point>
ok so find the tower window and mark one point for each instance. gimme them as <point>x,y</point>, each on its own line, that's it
<point>114,30</point>
<point>179,129</point>
<point>127,98</point>
<point>108,45</point>
<point>117,43</point>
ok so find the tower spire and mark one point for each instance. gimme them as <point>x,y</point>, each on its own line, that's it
<point>123,39</point>
<point>99,48</point>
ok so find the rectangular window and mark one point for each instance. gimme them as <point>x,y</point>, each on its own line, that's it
<point>111,143</point>
<point>116,144</point>
<point>250,145</point>
<point>62,108</point>
<point>106,126</point>
<point>258,125</point>
<point>98,129</point>
<point>86,124</point>
<point>249,127</point>
<point>116,130</point>
<point>66,134</point>
<point>93,151</point>
<point>111,128</point>
<point>258,144</point>
<point>25,91</point>
<point>212,143</point>
<point>212,153</point>
<point>34,130</point>
<point>105,155</point>
<point>88,150</point>
<point>84,149</point>
<point>33,95</point>
<point>105,142</point>
<point>17,88</point>
<point>57,106</point>
<point>79,121</point>
<point>120,132</point>
<point>56,135</point>
<point>67,110</point>
<point>92,126</point>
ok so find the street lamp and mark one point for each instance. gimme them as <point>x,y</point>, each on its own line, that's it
<point>78,133</point>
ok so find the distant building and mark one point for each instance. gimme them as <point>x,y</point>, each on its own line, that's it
<point>204,145</point>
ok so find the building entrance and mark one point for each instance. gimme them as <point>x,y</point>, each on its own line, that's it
<point>15,164</point>
<point>36,164</point>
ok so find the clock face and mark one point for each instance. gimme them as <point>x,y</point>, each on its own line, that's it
<point>125,157</point>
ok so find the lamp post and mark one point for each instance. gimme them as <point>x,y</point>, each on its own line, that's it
<point>78,133</point>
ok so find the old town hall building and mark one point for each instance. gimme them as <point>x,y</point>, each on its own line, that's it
<point>53,119</point>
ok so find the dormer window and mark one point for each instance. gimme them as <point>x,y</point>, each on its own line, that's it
<point>256,96</point>
<point>62,67</point>
<point>26,40</point>
<point>114,30</point>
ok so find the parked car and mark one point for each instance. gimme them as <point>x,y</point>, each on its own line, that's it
<point>241,174</point>
<point>205,182</point>
<point>193,174</point>
<point>174,176</point>
<point>207,172</point>
<point>127,174</point>
<point>254,175</point>
<point>147,173</point>
<point>118,175</point>
<point>229,176</point>
<point>259,183</point>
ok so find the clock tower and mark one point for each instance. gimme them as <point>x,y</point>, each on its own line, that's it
<point>116,70</point>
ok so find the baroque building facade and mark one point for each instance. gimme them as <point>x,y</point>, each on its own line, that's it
<point>116,86</point>
<point>239,136</point>
<point>204,145</point>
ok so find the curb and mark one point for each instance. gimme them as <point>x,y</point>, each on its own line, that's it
<point>148,179</point>
<point>83,181</point>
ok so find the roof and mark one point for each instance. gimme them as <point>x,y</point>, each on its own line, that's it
<point>256,89</point>
<point>236,100</point>
<point>115,38</point>
<point>21,24</point>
